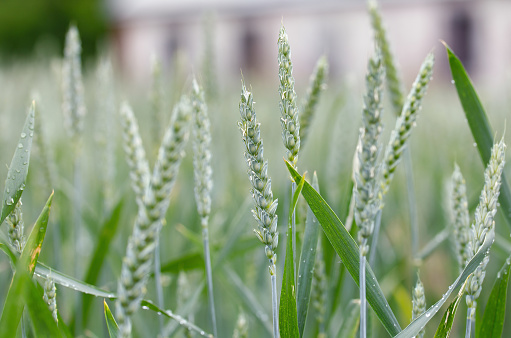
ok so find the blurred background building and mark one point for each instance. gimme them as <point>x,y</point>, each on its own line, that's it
<point>244,33</point>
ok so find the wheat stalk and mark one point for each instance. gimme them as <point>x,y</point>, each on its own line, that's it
<point>136,265</point>
<point>365,190</point>
<point>203,181</point>
<point>483,224</point>
<point>265,206</point>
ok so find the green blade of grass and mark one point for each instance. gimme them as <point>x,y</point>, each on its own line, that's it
<point>18,170</point>
<point>307,260</point>
<point>70,282</point>
<point>495,310</point>
<point>12,257</point>
<point>288,319</point>
<point>12,311</point>
<point>186,262</point>
<point>30,254</point>
<point>444,329</point>
<point>107,233</point>
<point>348,252</point>
<point>111,324</point>
<point>478,123</point>
<point>148,305</point>
<point>421,321</point>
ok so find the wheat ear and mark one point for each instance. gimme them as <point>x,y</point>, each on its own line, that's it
<point>418,303</point>
<point>405,123</point>
<point>203,181</point>
<point>483,224</point>
<point>317,84</point>
<point>50,297</point>
<point>136,265</point>
<point>365,190</point>
<point>265,211</point>
<point>16,228</point>
<point>393,77</point>
<point>460,217</point>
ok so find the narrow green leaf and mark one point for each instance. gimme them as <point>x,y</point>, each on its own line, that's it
<point>148,305</point>
<point>348,252</point>
<point>495,311</point>
<point>478,122</point>
<point>18,170</point>
<point>42,319</point>
<point>12,257</point>
<point>12,311</point>
<point>445,326</point>
<point>186,262</point>
<point>107,233</point>
<point>70,282</point>
<point>306,267</point>
<point>288,319</point>
<point>111,324</point>
<point>421,321</point>
<point>351,322</point>
<point>35,240</point>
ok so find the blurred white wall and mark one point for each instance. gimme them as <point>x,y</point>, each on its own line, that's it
<point>245,35</point>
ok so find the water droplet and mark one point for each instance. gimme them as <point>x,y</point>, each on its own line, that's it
<point>145,307</point>
<point>453,82</point>
<point>202,333</point>
<point>20,146</point>
<point>474,144</point>
<point>23,135</point>
<point>31,134</point>
<point>428,314</point>
<point>182,322</point>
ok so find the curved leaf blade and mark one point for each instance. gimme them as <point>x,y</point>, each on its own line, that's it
<point>478,123</point>
<point>444,329</point>
<point>348,252</point>
<point>495,311</point>
<point>111,324</point>
<point>307,260</point>
<point>18,170</point>
<point>288,318</point>
<point>421,321</point>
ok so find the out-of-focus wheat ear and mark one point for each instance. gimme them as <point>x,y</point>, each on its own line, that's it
<point>156,96</point>
<point>135,153</point>
<point>73,105</point>
<point>136,265</point>
<point>50,297</point>
<point>365,189</point>
<point>483,224</point>
<point>106,128</point>
<point>184,292</point>
<point>404,124</point>
<point>418,302</point>
<point>319,290</point>
<point>288,109</point>
<point>203,181</point>
<point>394,82</point>
<point>241,329</point>
<point>16,228</point>
<point>317,84</point>
<point>460,216</point>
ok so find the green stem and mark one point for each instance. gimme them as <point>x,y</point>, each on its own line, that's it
<point>470,324</point>
<point>374,242</point>
<point>275,305</point>
<point>293,230</point>
<point>209,274</point>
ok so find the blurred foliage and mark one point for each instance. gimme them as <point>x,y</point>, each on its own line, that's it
<point>26,23</point>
